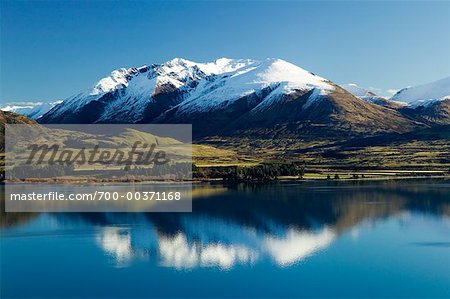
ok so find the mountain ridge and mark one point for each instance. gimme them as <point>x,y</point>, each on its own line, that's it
<point>435,90</point>
<point>228,97</point>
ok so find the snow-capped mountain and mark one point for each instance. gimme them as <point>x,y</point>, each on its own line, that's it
<point>134,94</point>
<point>432,111</point>
<point>369,96</point>
<point>32,110</point>
<point>421,94</point>
<point>279,76</point>
<point>356,90</point>
<point>226,96</point>
<point>143,93</point>
<point>428,103</point>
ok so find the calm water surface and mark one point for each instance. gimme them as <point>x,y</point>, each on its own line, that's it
<point>373,239</point>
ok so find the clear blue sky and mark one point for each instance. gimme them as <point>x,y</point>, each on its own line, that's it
<point>50,50</point>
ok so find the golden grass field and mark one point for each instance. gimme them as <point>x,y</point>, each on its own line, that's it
<point>423,152</point>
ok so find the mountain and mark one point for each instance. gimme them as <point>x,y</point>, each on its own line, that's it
<point>7,117</point>
<point>432,112</point>
<point>269,98</point>
<point>139,94</point>
<point>369,96</point>
<point>428,103</point>
<point>32,110</point>
<point>433,91</point>
<point>125,139</point>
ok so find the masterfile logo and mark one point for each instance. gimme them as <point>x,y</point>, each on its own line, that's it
<point>41,160</point>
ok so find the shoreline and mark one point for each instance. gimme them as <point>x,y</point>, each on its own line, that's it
<point>217,180</point>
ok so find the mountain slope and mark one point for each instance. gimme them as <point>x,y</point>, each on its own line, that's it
<point>431,91</point>
<point>269,97</point>
<point>7,117</point>
<point>368,96</point>
<point>428,103</point>
<point>290,101</point>
<point>138,94</point>
<point>302,114</point>
<point>432,112</point>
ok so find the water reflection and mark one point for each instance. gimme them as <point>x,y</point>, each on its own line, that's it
<point>244,224</point>
<point>297,245</point>
<point>116,243</point>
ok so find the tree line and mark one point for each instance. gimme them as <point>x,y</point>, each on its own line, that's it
<point>267,171</point>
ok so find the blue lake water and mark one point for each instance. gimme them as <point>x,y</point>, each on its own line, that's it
<point>304,239</point>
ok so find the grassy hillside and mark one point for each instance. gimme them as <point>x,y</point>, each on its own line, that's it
<point>423,149</point>
<point>7,117</point>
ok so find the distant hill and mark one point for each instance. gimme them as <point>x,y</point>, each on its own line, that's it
<point>32,110</point>
<point>431,112</point>
<point>431,91</point>
<point>7,117</point>
<point>428,104</point>
<point>125,139</point>
<point>369,96</point>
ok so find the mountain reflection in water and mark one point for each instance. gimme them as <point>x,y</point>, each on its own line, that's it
<point>284,223</point>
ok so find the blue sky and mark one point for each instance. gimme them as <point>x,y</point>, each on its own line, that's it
<point>51,50</point>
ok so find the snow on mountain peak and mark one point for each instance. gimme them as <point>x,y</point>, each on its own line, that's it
<point>118,79</point>
<point>422,93</point>
<point>200,86</point>
<point>224,65</point>
<point>217,67</point>
<point>355,90</point>
<point>240,78</point>
<point>180,61</point>
<point>370,97</point>
<point>176,65</point>
<point>32,110</point>
<point>178,72</point>
<point>278,70</point>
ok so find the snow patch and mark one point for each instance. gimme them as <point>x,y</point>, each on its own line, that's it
<point>355,90</point>
<point>435,90</point>
<point>202,86</point>
<point>32,110</point>
<point>426,103</point>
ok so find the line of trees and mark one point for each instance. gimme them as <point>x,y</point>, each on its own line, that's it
<point>267,171</point>
<point>37,171</point>
<point>179,170</point>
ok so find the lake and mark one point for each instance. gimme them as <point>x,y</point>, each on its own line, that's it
<point>297,239</point>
